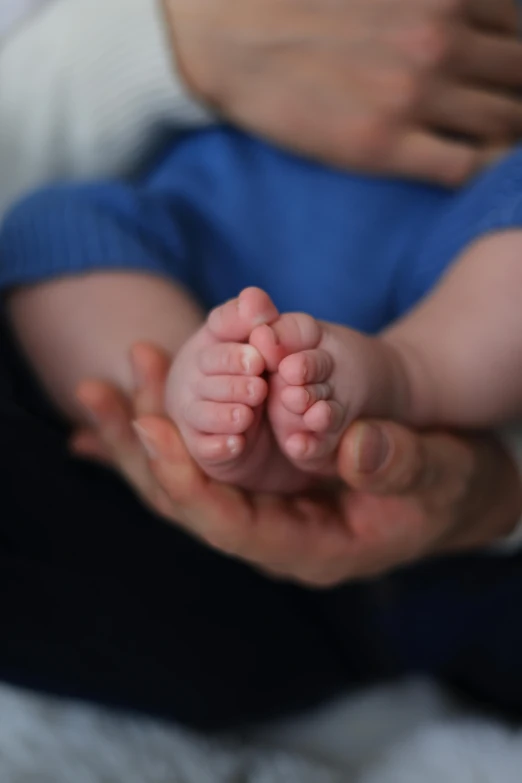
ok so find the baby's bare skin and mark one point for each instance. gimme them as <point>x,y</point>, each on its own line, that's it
<point>269,435</point>
<point>217,392</point>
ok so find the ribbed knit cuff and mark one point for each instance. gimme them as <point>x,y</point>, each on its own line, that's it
<point>66,231</point>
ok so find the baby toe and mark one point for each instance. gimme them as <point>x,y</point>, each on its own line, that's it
<point>236,319</point>
<point>306,367</point>
<point>299,399</point>
<point>231,359</point>
<point>219,418</point>
<point>324,416</point>
<point>233,388</point>
<point>291,333</point>
<point>297,332</point>
<point>256,307</point>
<point>301,446</point>
<point>264,340</point>
<point>215,449</point>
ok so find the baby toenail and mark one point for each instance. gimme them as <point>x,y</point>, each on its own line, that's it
<point>246,359</point>
<point>236,415</point>
<point>251,389</point>
<point>233,445</point>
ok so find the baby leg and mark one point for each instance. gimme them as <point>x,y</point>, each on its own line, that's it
<point>461,346</point>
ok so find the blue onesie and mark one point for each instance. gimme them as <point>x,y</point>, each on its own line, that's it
<point>224,211</point>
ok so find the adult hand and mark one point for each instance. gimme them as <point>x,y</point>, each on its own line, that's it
<point>413,495</point>
<point>377,85</point>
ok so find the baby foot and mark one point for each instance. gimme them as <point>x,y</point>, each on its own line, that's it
<point>216,395</point>
<point>323,377</point>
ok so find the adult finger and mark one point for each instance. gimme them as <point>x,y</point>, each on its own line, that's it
<point>111,438</point>
<point>501,15</point>
<point>112,414</point>
<point>175,470</point>
<point>488,59</point>
<point>296,537</point>
<point>150,367</point>
<point>387,458</point>
<point>421,154</point>
<point>87,444</point>
<point>472,112</point>
<point>260,529</point>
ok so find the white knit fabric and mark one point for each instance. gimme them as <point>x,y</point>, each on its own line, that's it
<point>85,86</point>
<point>14,12</point>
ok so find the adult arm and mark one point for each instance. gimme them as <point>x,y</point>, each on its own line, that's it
<point>87,93</point>
<point>368,85</point>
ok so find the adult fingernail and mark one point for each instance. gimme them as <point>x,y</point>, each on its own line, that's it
<point>371,448</point>
<point>145,441</point>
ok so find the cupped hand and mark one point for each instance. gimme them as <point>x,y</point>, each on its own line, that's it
<point>384,86</point>
<point>403,496</point>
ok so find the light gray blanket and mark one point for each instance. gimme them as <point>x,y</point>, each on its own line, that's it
<point>410,733</point>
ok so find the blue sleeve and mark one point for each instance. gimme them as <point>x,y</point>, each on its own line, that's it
<point>71,229</point>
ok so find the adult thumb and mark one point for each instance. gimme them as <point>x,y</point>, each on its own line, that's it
<point>381,457</point>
